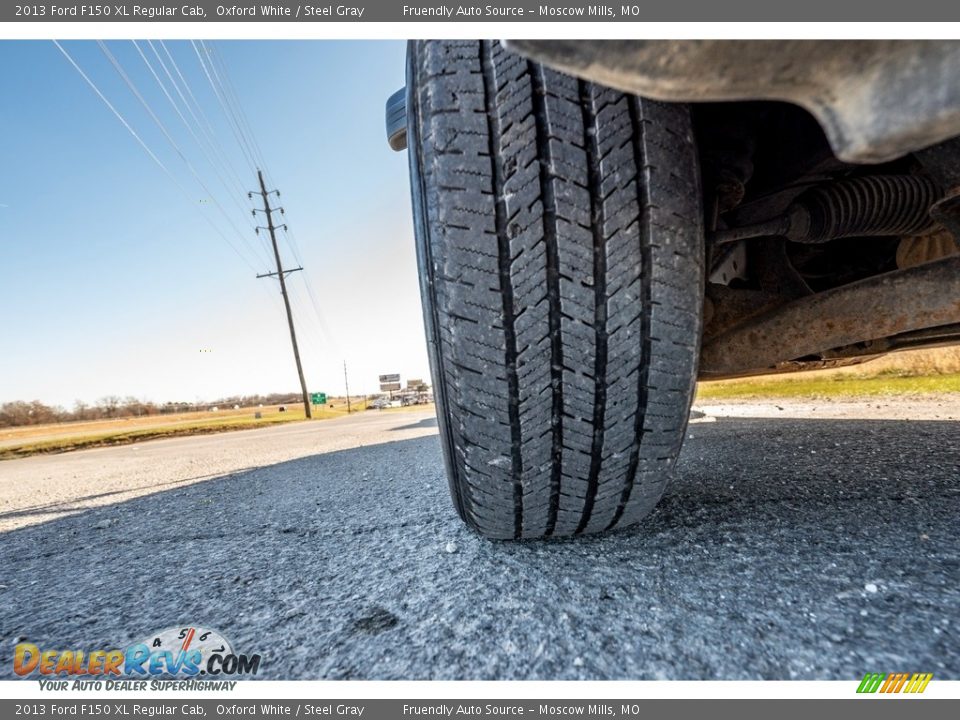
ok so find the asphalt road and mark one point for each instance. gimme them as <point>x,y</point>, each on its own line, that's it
<point>786,548</point>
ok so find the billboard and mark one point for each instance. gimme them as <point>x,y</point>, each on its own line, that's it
<point>390,383</point>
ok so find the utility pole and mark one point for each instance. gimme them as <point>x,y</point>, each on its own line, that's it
<point>347,385</point>
<point>281,275</point>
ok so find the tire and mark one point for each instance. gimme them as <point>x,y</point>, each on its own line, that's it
<point>560,246</point>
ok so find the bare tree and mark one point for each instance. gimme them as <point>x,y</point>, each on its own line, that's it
<point>108,405</point>
<point>81,411</point>
<point>19,412</point>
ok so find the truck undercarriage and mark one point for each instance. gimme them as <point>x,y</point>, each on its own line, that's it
<point>831,186</point>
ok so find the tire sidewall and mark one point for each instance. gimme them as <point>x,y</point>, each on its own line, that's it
<point>421,230</point>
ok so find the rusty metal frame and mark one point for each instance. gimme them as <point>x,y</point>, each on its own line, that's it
<point>893,304</point>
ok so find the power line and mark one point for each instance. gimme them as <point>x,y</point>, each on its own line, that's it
<point>317,339</point>
<point>229,102</point>
<point>206,128</point>
<point>227,82</point>
<point>216,72</point>
<point>233,102</point>
<point>325,332</point>
<point>221,74</point>
<point>173,143</point>
<point>112,108</point>
<point>176,107</point>
<point>243,145</point>
<point>147,149</point>
<point>196,111</point>
<point>234,109</point>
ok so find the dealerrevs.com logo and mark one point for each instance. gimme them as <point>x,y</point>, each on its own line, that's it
<point>178,652</point>
<point>894,683</point>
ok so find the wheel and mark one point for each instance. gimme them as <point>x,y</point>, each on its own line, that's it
<point>560,245</point>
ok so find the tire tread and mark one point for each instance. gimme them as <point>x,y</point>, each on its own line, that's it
<point>563,249</point>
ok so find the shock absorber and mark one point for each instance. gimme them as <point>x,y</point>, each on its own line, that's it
<point>878,205</point>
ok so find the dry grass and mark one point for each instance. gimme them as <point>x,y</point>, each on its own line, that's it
<point>910,363</point>
<point>63,437</point>
<point>915,372</point>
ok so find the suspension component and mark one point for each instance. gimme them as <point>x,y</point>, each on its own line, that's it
<point>878,205</point>
<point>883,306</point>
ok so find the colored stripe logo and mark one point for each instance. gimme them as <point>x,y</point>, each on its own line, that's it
<point>894,682</point>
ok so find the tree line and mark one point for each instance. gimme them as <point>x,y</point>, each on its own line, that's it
<point>20,412</point>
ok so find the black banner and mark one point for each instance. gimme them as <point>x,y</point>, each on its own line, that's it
<point>503,11</point>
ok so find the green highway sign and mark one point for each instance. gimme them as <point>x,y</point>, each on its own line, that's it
<point>318,398</point>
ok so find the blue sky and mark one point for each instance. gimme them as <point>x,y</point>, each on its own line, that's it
<point>113,280</point>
